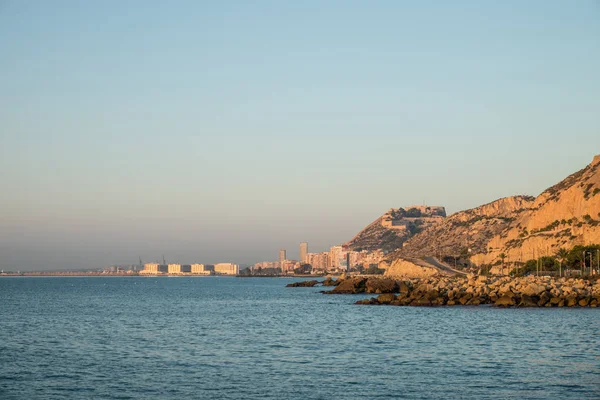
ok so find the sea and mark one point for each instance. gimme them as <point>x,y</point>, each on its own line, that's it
<point>253,338</point>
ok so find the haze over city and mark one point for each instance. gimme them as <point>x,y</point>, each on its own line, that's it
<point>223,132</point>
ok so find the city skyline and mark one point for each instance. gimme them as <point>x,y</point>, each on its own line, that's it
<point>225,131</point>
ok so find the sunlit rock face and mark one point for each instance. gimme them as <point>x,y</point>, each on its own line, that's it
<point>518,227</point>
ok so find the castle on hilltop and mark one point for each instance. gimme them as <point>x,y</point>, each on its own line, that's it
<point>401,218</point>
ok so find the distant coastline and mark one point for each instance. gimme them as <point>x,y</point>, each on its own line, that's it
<point>127,274</point>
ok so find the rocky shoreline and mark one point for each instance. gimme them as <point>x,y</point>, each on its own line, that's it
<point>503,291</point>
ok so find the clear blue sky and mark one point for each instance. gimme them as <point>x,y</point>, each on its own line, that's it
<point>225,130</point>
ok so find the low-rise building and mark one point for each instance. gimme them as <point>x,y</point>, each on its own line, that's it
<point>174,269</point>
<point>227,269</point>
<point>289,266</point>
<point>200,269</point>
<point>154,268</point>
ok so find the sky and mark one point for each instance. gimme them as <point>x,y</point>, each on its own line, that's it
<point>222,131</point>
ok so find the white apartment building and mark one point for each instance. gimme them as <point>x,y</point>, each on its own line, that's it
<point>174,269</point>
<point>227,269</point>
<point>200,269</point>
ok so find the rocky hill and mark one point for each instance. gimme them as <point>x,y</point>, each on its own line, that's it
<point>517,228</point>
<point>466,232</point>
<point>392,229</point>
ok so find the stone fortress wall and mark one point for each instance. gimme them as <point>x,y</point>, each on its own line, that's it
<point>429,215</point>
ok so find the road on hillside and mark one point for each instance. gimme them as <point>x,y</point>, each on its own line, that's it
<point>443,267</point>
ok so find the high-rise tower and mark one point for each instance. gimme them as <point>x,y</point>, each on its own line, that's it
<point>282,258</point>
<point>303,252</point>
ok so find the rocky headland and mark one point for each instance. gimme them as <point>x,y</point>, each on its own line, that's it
<point>495,238</point>
<point>488,254</point>
<point>510,231</point>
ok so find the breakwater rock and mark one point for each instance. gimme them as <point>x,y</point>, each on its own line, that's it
<point>498,291</point>
<point>327,282</point>
<point>355,285</point>
<point>365,285</point>
<point>303,284</point>
<point>331,282</point>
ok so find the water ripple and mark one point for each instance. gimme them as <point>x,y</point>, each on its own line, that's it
<point>227,338</point>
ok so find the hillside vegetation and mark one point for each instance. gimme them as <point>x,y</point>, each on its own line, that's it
<point>512,229</point>
<point>518,228</point>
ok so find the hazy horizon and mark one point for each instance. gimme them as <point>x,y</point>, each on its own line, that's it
<point>224,131</point>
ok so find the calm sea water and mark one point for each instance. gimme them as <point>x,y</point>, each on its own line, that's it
<point>221,338</point>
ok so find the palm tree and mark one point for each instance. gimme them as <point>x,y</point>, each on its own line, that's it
<point>562,255</point>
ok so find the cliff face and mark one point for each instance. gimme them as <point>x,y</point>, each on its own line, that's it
<point>520,227</point>
<point>466,232</point>
<point>564,215</point>
<point>406,269</point>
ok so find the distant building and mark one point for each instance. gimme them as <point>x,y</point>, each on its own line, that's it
<point>336,255</point>
<point>227,269</point>
<point>201,269</point>
<point>289,266</point>
<point>174,268</point>
<point>266,268</point>
<point>282,257</point>
<point>319,261</point>
<point>154,268</point>
<point>303,252</point>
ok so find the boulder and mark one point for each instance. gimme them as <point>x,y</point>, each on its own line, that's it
<point>533,289</point>
<point>386,298</point>
<point>571,301</point>
<point>475,301</point>
<point>350,286</point>
<point>554,301</point>
<point>507,289</point>
<point>420,302</point>
<point>381,285</point>
<point>431,295</point>
<point>404,300</point>
<point>440,301</point>
<point>303,284</point>
<point>544,298</point>
<point>505,301</point>
<point>528,301</point>
<point>330,282</point>
<point>404,287</point>
<point>423,288</point>
<point>465,299</point>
